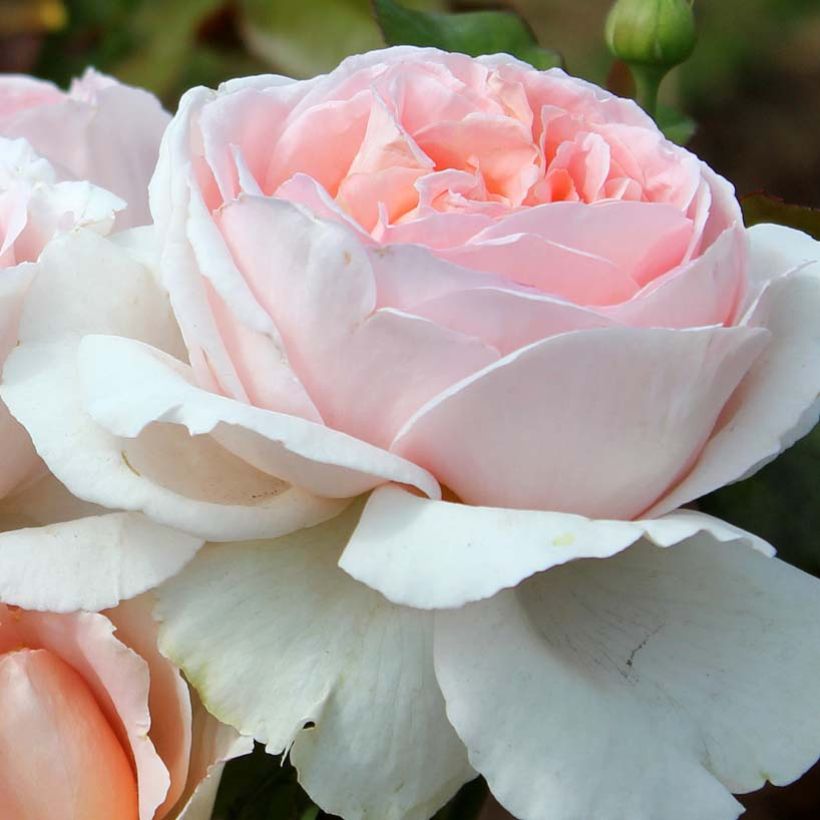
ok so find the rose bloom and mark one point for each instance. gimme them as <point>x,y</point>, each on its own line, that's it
<point>96,725</point>
<point>56,552</point>
<point>502,304</point>
<point>100,130</point>
<point>34,207</point>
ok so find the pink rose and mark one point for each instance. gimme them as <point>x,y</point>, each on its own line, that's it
<point>100,130</point>
<point>507,277</point>
<point>96,725</point>
<point>34,207</point>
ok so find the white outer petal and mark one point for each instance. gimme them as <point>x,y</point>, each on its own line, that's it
<point>187,482</point>
<point>646,686</point>
<point>274,636</point>
<point>128,386</point>
<point>437,554</point>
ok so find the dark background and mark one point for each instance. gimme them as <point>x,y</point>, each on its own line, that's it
<point>753,87</point>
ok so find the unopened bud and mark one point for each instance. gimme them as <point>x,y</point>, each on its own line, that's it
<point>656,33</point>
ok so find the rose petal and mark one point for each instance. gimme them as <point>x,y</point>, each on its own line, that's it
<point>648,685</point>
<point>86,283</point>
<point>552,267</point>
<point>776,403</point>
<point>58,755</point>
<point>282,645</point>
<point>128,386</point>
<point>641,239</point>
<point>169,701</point>
<point>117,677</point>
<point>507,319</point>
<point>705,291</point>
<point>315,280</point>
<point>594,422</point>
<point>187,482</point>
<point>89,563</point>
<point>436,554</point>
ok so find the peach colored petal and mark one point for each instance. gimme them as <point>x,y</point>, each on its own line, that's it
<point>59,757</point>
<point>169,700</point>
<point>116,676</point>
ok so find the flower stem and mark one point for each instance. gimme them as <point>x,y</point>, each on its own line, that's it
<point>647,82</point>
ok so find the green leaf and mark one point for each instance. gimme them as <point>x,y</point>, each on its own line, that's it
<point>765,208</point>
<point>474,33</point>
<point>676,126</point>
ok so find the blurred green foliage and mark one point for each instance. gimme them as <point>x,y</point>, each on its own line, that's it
<point>780,504</point>
<point>765,208</point>
<point>474,33</point>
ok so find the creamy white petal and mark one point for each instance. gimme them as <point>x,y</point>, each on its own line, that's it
<point>187,482</point>
<point>51,561</point>
<point>284,646</point>
<point>86,283</point>
<point>128,386</point>
<point>649,685</point>
<point>437,554</point>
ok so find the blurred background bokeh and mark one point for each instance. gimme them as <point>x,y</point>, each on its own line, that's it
<point>752,86</point>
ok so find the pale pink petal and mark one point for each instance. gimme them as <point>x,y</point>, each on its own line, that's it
<point>552,267</point>
<point>302,145</point>
<point>305,190</point>
<point>366,371</point>
<point>410,275</point>
<point>707,290</point>
<point>169,700</point>
<point>642,239</point>
<point>594,422</point>
<point>507,319</point>
<point>250,120</point>
<point>777,402</point>
<point>19,91</point>
<point>272,385</point>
